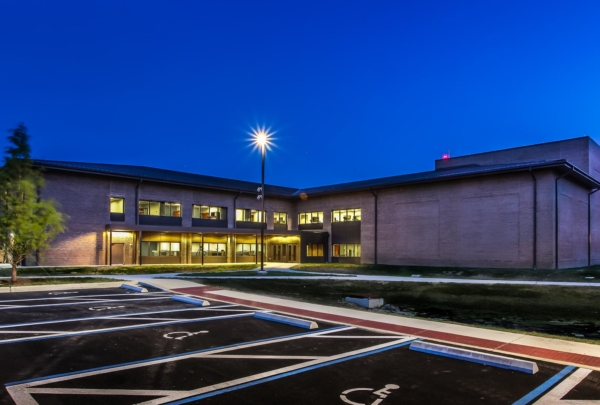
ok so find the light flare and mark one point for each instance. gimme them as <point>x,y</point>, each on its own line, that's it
<point>262,137</point>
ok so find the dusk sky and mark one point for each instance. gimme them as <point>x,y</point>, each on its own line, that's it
<point>355,90</point>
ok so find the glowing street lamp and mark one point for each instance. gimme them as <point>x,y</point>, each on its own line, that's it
<point>262,139</point>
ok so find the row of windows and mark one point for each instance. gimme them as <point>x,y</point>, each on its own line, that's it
<point>171,209</point>
<point>241,249</point>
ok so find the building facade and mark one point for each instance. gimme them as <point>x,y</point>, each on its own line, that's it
<point>528,207</point>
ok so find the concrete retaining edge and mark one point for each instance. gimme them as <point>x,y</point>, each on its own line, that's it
<point>487,359</point>
<point>190,300</point>
<point>133,288</point>
<point>301,323</point>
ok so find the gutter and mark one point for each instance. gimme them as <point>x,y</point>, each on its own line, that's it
<point>556,217</point>
<point>535,218</point>
<point>590,226</point>
<point>375,195</point>
<point>234,205</point>
<point>137,202</point>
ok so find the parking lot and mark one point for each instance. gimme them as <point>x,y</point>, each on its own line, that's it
<point>116,346</point>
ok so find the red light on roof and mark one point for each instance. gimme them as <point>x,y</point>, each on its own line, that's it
<point>445,156</point>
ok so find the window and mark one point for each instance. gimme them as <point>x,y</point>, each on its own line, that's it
<point>246,249</point>
<point>207,212</point>
<point>280,218</point>
<point>210,249</point>
<point>248,215</point>
<point>310,218</point>
<point>117,205</point>
<point>160,248</point>
<point>347,250</point>
<point>346,215</point>
<point>314,250</point>
<point>163,209</point>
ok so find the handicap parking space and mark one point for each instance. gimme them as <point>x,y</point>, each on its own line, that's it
<point>164,351</point>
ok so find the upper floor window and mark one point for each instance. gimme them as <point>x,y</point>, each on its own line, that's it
<point>310,218</point>
<point>117,205</point>
<point>207,212</point>
<point>280,218</point>
<point>163,209</point>
<point>248,215</point>
<point>346,215</point>
<point>346,250</point>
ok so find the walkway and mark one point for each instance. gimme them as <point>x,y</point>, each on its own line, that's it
<point>561,351</point>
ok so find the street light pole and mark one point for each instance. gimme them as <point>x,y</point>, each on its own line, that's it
<point>262,215</point>
<point>262,138</point>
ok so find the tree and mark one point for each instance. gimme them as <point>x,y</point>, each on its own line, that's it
<point>27,223</point>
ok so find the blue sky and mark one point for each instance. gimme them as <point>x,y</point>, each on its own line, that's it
<point>355,90</point>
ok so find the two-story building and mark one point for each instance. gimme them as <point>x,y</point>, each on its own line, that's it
<point>532,206</point>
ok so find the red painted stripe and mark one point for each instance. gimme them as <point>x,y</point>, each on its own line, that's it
<point>517,349</point>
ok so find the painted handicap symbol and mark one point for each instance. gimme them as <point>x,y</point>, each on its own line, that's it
<point>185,334</point>
<point>104,308</point>
<point>382,394</point>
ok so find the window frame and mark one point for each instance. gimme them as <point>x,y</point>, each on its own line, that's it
<point>337,215</point>
<point>220,211</point>
<point>337,252</point>
<point>303,217</point>
<point>277,217</point>
<point>161,208</point>
<point>247,211</point>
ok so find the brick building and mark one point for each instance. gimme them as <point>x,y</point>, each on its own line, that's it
<point>526,207</point>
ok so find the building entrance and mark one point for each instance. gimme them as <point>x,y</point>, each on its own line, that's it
<point>286,253</point>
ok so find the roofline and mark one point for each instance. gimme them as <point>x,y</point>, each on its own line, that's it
<point>516,147</point>
<point>556,164</point>
<point>182,183</point>
<point>584,177</point>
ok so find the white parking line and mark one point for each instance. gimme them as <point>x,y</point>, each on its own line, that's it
<point>104,330</point>
<point>84,302</point>
<point>85,296</point>
<point>90,318</point>
<point>21,393</point>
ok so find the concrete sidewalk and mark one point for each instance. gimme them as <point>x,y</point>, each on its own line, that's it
<point>556,350</point>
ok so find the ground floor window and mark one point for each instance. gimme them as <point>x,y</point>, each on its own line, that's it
<point>314,250</point>
<point>346,250</point>
<point>161,248</point>
<point>246,249</point>
<point>210,249</point>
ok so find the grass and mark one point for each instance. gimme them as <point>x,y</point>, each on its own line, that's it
<point>51,281</point>
<point>146,269</point>
<point>577,274</point>
<point>270,273</point>
<point>542,310</point>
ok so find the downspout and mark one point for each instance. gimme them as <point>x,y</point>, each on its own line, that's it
<point>556,219</point>
<point>590,226</point>
<point>534,218</point>
<point>137,202</point>
<point>234,202</point>
<point>375,195</point>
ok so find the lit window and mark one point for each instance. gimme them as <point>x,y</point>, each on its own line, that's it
<point>246,249</point>
<point>207,212</point>
<point>210,249</point>
<point>346,250</point>
<point>244,215</point>
<point>280,218</point>
<point>314,250</point>
<point>163,209</point>
<point>160,249</point>
<point>310,218</point>
<point>117,205</point>
<point>353,214</point>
